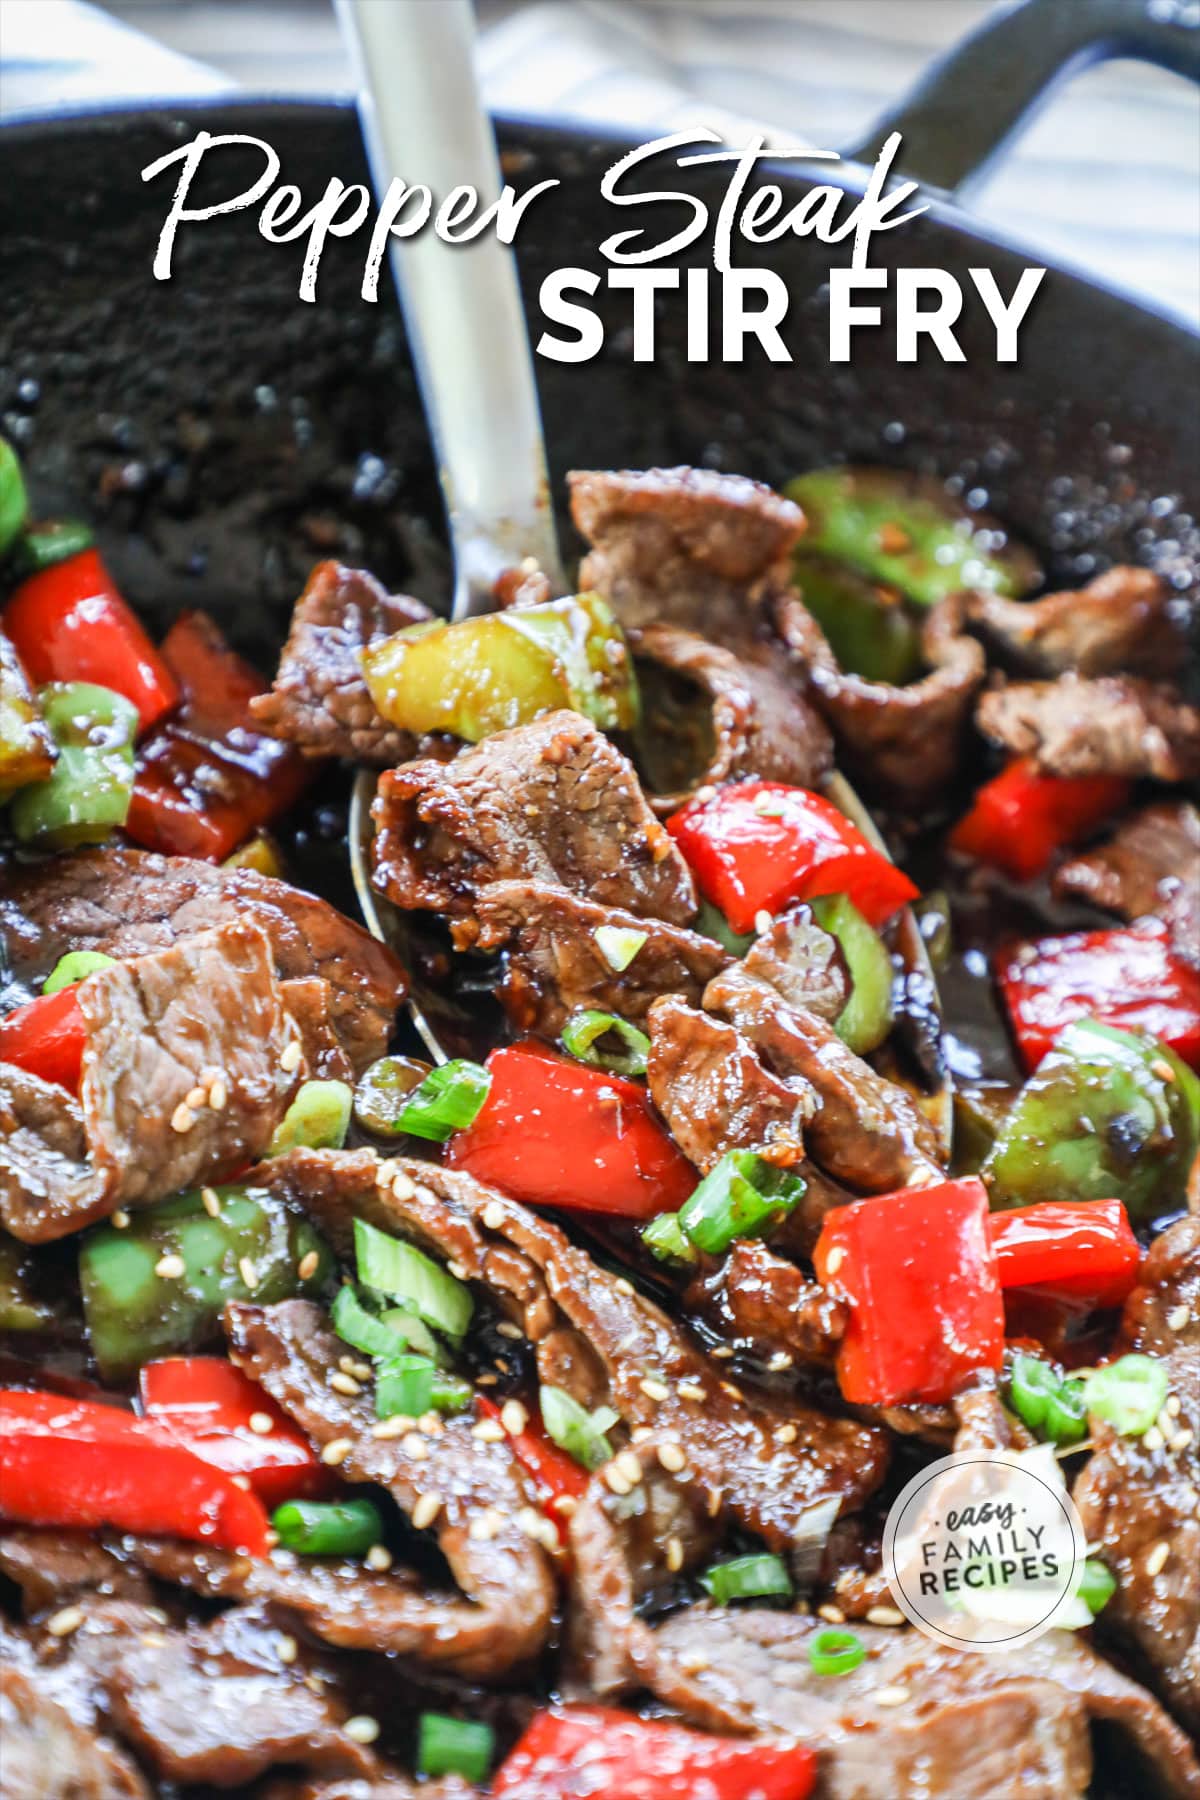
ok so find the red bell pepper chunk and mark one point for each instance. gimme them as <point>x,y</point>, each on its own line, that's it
<point>758,845</point>
<point>1021,818</point>
<point>553,1132</point>
<point>1082,1249</point>
<point>597,1750</point>
<point>69,623</point>
<point>1130,978</point>
<point>206,1405</point>
<point>82,1465</point>
<point>554,1474</point>
<point>46,1037</point>
<point>918,1273</point>
<point>207,779</point>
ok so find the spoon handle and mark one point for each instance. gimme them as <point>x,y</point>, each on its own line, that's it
<point>423,121</point>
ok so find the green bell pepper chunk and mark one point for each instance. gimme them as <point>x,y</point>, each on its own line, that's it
<point>87,793</point>
<point>980,1110</point>
<point>711,922</point>
<point>1106,1113</point>
<point>906,530</point>
<point>14,502</point>
<point>487,674</point>
<point>865,624</point>
<point>317,1119</point>
<point>27,751</point>
<point>251,1249</point>
<point>867,1016</point>
<point>22,1308</point>
<point>384,1091</point>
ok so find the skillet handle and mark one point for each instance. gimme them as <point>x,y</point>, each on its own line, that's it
<point>965,108</point>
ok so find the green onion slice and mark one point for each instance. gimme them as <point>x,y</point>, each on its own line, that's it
<point>317,1119</point>
<point>1129,1393</point>
<point>391,1266</point>
<point>413,1384</point>
<point>384,1336</point>
<point>746,1578</point>
<point>836,1652</point>
<point>75,966</point>
<point>663,1238</point>
<point>1066,1414</point>
<point>318,1528</point>
<point>1097,1586</point>
<point>1032,1386</point>
<point>743,1196</point>
<point>582,1031</point>
<point>447,1746</point>
<point>618,945</point>
<point>448,1100</point>
<point>582,1434</point>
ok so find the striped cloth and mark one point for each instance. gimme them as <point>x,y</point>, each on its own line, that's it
<point>1107,178</point>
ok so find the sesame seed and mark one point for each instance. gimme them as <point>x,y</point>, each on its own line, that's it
<point>488,1431</point>
<point>170,1267</point>
<point>623,1285</point>
<point>286,1648</point>
<point>430,1423</point>
<point>1165,1423</point>
<point>455,1268</point>
<point>218,1095</point>
<point>722,1351</point>
<point>308,1265</point>
<point>402,1185</point>
<point>1156,1562</point>
<point>363,1729</point>
<point>615,1481</point>
<point>763,921</point>
<point>1174,1406</point>
<point>1177,1318</point>
<point>414,1445</point>
<point>674,1555</point>
<point>1153,1439</point>
<point>248,1272</point>
<point>565,1505</point>
<point>506,1329</point>
<point>486,1526</point>
<point>426,1510</point>
<point>183,1118</point>
<point>394,1427</point>
<point>655,1390</point>
<point>884,1615</point>
<point>379,1558</point>
<point>689,1390</point>
<point>713,1504</point>
<point>361,1371</point>
<point>693,1662</point>
<point>514,1417</point>
<point>198,1099</point>
<point>344,1384</point>
<point>65,1622</point>
<point>833,1615</point>
<point>1181,1440</point>
<point>212,1202</point>
<point>530,1522</point>
<point>262,1423</point>
<point>1162,1069</point>
<point>782,1359</point>
<point>835,1259</point>
<point>336,1451</point>
<point>242,1481</point>
<point>153,1640</point>
<point>630,1466</point>
<point>493,1215</point>
<point>672,1456</point>
<point>891,1696</point>
<point>289,1062</point>
<point>787,1434</point>
<point>735,1393</point>
<point>706,793</point>
<point>121,1219</point>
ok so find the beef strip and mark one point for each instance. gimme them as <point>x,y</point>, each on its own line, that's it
<point>1110,725</point>
<point>708,1083</point>
<point>1123,621</point>
<point>552,802</point>
<point>763,1299</point>
<point>975,1727</point>
<point>711,716</point>
<point>730,1435</point>
<point>319,700</point>
<point>1150,865</point>
<point>802,962</point>
<point>903,743</point>
<point>505,1618</point>
<point>310,1003</point>
<point>865,1130</point>
<point>185,1078</point>
<point>127,902</point>
<point>1136,1494</point>
<point>554,965</point>
<point>52,1567</point>
<point>45,1754</point>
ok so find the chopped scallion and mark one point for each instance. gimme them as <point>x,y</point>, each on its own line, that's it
<point>1128,1394</point>
<point>386,1336</point>
<point>75,966</point>
<point>391,1266</point>
<point>663,1238</point>
<point>1097,1585</point>
<point>746,1578</point>
<point>1032,1386</point>
<point>317,1119</point>
<point>618,945</point>
<point>321,1528</point>
<point>1066,1415</point>
<point>414,1384</point>
<point>743,1196</point>
<point>836,1652</point>
<point>582,1434</point>
<point>447,1746</point>
<point>447,1101</point>
<point>582,1037</point>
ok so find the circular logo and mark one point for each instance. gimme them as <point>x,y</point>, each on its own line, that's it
<point>984,1550</point>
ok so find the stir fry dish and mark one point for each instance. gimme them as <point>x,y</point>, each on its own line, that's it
<point>805,915</point>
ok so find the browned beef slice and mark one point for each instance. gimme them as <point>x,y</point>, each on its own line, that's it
<point>309,1001</point>
<point>507,1578</point>
<point>51,1567</point>
<point>759,1296</point>
<point>45,1754</point>
<point>958,1724</point>
<point>683,546</point>
<point>126,902</point>
<point>550,802</point>
<point>46,1187</point>
<point>554,965</point>
<point>902,742</point>
<point>801,962</point>
<point>711,716</point>
<point>709,1085</point>
<point>1150,865</point>
<point>1162,1314</point>
<point>1112,725</point>
<point>865,1130</point>
<point>167,1035</point>
<point>1121,621</point>
<point>319,699</point>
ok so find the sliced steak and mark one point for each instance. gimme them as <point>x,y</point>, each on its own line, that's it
<point>126,903</point>
<point>708,1083</point>
<point>319,700</point>
<point>802,962</point>
<point>506,1577</point>
<point>730,1435</point>
<point>52,1567</point>
<point>552,802</point>
<point>1150,865</point>
<point>928,1720</point>
<point>903,743</point>
<point>1162,1314</point>
<point>711,716</point>
<point>185,1078</point>
<point>1112,725</point>
<point>310,1004</point>
<point>554,965</point>
<point>770,1304</point>
<point>1123,621</point>
<point>45,1754</point>
<point>865,1130</point>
